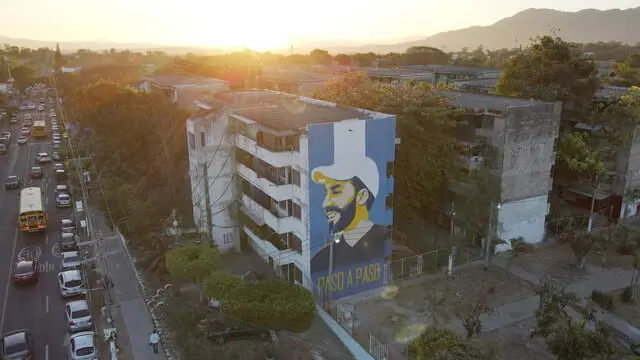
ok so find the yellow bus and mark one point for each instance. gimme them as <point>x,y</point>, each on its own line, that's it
<point>39,129</point>
<point>33,218</point>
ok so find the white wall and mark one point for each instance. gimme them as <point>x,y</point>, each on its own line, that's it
<point>524,218</point>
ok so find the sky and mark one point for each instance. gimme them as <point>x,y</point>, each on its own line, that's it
<point>260,24</point>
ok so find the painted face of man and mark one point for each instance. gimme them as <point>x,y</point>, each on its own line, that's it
<point>339,204</point>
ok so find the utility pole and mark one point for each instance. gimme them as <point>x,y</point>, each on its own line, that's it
<point>452,214</point>
<point>207,200</point>
<point>487,252</point>
<point>593,205</point>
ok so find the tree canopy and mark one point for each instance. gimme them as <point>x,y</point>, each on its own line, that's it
<point>552,69</point>
<point>192,263</point>
<point>444,344</point>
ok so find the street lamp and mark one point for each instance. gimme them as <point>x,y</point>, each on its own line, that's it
<point>452,215</point>
<point>490,234</point>
<point>335,237</point>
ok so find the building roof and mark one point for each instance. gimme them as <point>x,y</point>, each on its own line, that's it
<point>480,102</point>
<point>400,74</point>
<point>477,82</point>
<point>452,69</point>
<point>611,91</point>
<point>281,111</point>
<point>296,76</point>
<point>179,80</point>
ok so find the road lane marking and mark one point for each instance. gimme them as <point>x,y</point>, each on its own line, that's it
<point>46,304</point>
<point>46,240</point>
<point>46,352</point>
<point>8,286</point>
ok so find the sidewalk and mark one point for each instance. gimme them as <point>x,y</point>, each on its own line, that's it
<point>605,280</point>
<point>129,309</point>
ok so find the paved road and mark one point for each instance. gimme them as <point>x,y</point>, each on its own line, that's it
<point>38,307</point>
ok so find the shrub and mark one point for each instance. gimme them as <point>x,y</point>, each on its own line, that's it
<point>625,248</point>
<point>627,294</point>
<point>604,300</point>
<point>520,246</point>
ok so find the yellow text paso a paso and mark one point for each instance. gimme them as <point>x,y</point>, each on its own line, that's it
<point>358,276</point>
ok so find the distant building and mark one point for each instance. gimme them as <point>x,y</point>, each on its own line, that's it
<point>306,183</point>
<point>5,88</point>
<point>182,90</point>
<point>300,82</point>
<point>514,140</point>
<point>70,69</point>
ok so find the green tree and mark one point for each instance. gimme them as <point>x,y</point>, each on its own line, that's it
<point>23,76</point>
<point>552,307</point>
<point>343,59</point>
<point>321,57</point>
<point>581,243</point>
<point>577,155</point>
<point>192,263</point>
<point>443,344</point>
<point>426,159</point>
<point>274,304</point>
<point>220,284</point>
<point>423,55</point>
<point>58,62</point>
<point>572,340</point>
<point>552,69</point>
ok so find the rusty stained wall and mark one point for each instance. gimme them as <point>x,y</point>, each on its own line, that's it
<point>528,154</point>
<point>628,165</point>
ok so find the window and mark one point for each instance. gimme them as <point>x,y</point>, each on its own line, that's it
<point>202,139</point>
<point>388,201</point>
<point>191,138</point>
<point>295,177</point>
<point>389,169</point>
<point>296,244</point>
<point>297,211</point>
<point>297,274</point>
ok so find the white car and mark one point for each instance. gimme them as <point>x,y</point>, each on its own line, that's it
<point>25,131</point>
<point>70,283</point>
<point>40,108</point>
<point>78,315</point>
<point>55,128</point>
<point>55,141</point>
<point>63,200</point>
<point>56,136</point>
<point>22,140</point>
<point>43,158</point>
<point>71,260</point>
<point>58,166</point>
<point>82,346</point>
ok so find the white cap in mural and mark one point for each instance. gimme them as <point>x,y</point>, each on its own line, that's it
<point>349,156</point>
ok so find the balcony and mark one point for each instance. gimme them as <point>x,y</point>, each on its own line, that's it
<point>272,216</point>
<point>280,257</point>
<point>277,192</point>
<point>272,157</point>
<point>472,162</point>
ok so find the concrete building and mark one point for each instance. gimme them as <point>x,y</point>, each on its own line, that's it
<point>447,74</point>
<point>514,140</point>
<point>71,69</point>
<point>299,82</point>
<point>183,90</point>
<point>307,184</point>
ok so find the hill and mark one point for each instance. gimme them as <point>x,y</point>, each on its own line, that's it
<point>583,26</point>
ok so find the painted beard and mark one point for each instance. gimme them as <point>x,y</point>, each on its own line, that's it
<point>344,216</point>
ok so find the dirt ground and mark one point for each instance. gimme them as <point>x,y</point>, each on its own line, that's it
<point>401,311</point>
<point>557,261</point>
<point>514,342</point>
<point>630,312</point>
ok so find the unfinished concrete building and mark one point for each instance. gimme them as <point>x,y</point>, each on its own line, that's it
<point>514,140</point>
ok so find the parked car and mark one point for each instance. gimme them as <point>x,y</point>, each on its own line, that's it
<point>25,271</point>
<point>13,120</point>
<point>60,176</point>
<point>3,149</point>
<point>78,315</point>
<point>56,156</point>
<point>55,127</point>
<point>70,260</point>
<point>221,333</point>
<point>12,182</point>
<point>22,140</point>
<point>58,166</point>
<point>68,241</point>
<point>82,346</point>
<point>70,283</point>
<point>36,172</point>
<point>67,226</point>
<point>7,134</point>
<point>17,345</point>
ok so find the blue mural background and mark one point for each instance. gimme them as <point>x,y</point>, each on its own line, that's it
<point>380,147</point>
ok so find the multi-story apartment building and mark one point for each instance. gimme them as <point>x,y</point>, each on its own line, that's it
<point>183,90</point>
<point>513,140</point>
<point>306,183</point>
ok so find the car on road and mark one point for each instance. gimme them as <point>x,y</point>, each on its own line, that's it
<point>70,283</point>
<point>56,145</point>
<point>55,136</point>
<point>70,260</point>
<point>78,315</point>
<point>62,189</point>
<point>40,108</point>
<point>63,200</point>
<point>13,120</point>
<point>55,141</point>
<point>36,172</point>
<point>55,127</point>
<point>56,156</point>
<point>221,333</point>
<point>25,271</point>
<point>7,134</point>
<point>3,149</point>
<point>17,345</point>
<point>68,241</point>
<point>25,131</point>
<point>43,158</point>
<point>58,166</point>
<point>22,140</point>
<point>82,346</point>
<point>67,225</point>
<point>27,123</point>
<point>12,182</point>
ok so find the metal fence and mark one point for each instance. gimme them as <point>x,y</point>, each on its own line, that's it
<point>378,348</point>
<point>430,262</point>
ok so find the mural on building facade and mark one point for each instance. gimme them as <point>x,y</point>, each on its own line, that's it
<point>349,218</point>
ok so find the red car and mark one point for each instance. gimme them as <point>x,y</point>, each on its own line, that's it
<point>26,271</point>
<point>36,172</point>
